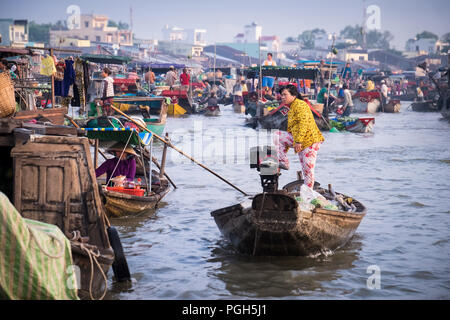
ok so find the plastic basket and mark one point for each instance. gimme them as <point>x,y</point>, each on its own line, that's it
<point>134,192</point>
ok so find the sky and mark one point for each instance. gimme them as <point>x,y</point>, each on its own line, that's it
<point>223,19</point>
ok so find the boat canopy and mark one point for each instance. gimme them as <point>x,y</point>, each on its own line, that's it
<point>119,135</point>
<point>105,59</point>
<point>283,72</point>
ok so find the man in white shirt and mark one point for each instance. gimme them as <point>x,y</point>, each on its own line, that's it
<point>348,102</point>
<point>171,77</point>
<point>269,82</point>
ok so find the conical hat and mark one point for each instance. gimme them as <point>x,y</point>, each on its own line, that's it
<point>119,146</point>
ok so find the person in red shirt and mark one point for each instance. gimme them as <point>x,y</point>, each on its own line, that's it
<point>185,79</point>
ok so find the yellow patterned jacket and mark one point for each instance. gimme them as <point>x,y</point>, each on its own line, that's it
<point>301,124</point>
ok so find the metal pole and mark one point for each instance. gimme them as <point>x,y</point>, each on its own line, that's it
<point>260,70</point>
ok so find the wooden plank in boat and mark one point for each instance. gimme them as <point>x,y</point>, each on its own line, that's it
<point>51,130</point>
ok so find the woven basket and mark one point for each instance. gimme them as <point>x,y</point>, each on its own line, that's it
<point>7,97</point>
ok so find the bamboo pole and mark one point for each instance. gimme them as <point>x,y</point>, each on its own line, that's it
<point>178,150</point>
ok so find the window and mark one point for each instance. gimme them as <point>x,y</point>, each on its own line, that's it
<point>86,37</point>
<point>86,24</point>
<point>97,38</point>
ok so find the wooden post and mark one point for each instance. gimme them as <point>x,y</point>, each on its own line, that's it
<point>163,159</point>
<point>96,154</point>
<point>53,83</point>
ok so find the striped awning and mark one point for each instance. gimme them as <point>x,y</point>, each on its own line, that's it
<point>120,135</point>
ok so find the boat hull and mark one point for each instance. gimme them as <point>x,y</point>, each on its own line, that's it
<point>424,106</point>
<point>285,230</point>
<point>366,107</point>
<point>393,106</point>
<point>362,125</point>
<point>238,108</point>
<point>119,204</point>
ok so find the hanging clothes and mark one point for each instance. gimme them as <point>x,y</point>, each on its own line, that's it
<point>62,87</point>
<point>48,66</point>
<point>79,88</point>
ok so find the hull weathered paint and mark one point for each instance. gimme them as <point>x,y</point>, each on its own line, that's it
<point>271,229</point>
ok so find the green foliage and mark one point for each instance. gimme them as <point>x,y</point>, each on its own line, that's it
<point>374,39</point>
<point>307,38</point>
<point>40,32</point>
<point>426,35</point>
<point>112,23</point>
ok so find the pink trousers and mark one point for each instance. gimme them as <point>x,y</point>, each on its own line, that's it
<point>283,141</point>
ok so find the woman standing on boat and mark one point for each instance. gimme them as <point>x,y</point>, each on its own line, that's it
<point>302,134</point>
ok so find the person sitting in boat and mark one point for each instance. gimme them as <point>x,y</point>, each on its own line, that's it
<point>302,134</point>
<point>123,163</point>
<point>326,100</point>
<point>370,86</point>
<point>419,94</point>
<point>237,93</point>
<point>348,102</point>
<point>253,104</point>
<point>210,101</point>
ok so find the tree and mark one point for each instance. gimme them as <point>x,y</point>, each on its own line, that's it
<point>39,32</point>
<point>426,35</point>
<point>307,38</point>
<point>112,23</point>
<point>446,37</point>
<point>123,26</point>
<point>290,39</point>
<point>374,39</point>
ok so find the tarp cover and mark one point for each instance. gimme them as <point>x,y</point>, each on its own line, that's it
<point>35,259</point>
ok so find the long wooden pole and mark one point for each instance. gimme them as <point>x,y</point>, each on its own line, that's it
<point>178,150</point>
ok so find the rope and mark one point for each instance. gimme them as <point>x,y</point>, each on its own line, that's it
<point>92,257</point>
<point>117,164</point>
<point>259,216</point>
<point>61,245</point>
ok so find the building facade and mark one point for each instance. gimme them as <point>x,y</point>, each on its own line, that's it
<point>14,32</point>
<point>95,29</point>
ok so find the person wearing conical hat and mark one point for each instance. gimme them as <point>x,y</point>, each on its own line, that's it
<point>123,163</point>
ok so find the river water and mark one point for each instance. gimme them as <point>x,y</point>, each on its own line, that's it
<point>401,250</point>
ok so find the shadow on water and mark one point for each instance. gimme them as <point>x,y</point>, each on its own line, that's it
<point>280,276</point>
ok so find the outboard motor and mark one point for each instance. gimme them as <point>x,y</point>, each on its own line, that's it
<point>264,159</point>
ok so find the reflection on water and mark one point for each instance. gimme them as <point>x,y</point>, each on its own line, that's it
<point>401,173</point>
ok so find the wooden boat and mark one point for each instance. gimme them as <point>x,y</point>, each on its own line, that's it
<point>238,108</point>
<point>404,97</point>
<point>119,204</point>
<point>393,106</point>
<point>445,110</point>
<point>277,119</point>
<point>366,102</point>
<point>54,115</point>
<point>54,182</point>
<point>425,106</point>
<point>212,111</point>
<point>361,125</point>
<point>180,104</point>
<point>272,224</point>
<point>119,201</point>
